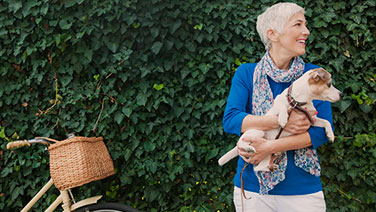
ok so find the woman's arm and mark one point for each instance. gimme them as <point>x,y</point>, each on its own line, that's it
<point>259,122</point>
<point>267,147</point>
<point>237,118</point>
<point>237,105</point>
<point>298,122</point>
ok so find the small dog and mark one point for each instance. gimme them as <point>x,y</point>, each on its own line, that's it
<point>314,84</point>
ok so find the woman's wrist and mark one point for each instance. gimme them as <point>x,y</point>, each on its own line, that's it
<point>292,142</point>
<point>273,121</point>
<point>272,146</point>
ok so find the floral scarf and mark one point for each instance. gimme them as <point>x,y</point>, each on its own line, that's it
<point>262,101</point>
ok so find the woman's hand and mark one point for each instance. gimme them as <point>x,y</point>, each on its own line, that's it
<point>298,122</point>
<point>262,146</point>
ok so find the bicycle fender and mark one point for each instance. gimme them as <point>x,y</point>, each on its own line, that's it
<point>84,202</point>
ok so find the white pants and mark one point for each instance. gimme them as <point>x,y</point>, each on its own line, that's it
<point>279,203</point>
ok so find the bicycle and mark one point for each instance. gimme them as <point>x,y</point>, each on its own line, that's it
<point>66,197</point>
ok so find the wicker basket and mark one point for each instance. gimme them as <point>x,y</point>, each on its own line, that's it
<point>79,160</point>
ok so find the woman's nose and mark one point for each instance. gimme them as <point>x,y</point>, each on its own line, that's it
<point>306,30</point>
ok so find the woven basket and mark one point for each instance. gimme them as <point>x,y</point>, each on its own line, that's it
<point>79,160</point>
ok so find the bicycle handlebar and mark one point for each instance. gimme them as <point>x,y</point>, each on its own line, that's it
<point>21,143</point>
<point>16,144</point>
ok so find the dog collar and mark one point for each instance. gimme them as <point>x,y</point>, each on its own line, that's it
<point>297,105</point>
<point>293,103</point>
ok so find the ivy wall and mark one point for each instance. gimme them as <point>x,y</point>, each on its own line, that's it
<point>152,77</point>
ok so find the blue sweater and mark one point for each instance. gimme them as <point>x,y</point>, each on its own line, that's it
<point>239,105</point>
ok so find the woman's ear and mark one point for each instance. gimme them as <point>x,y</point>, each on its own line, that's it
<point>272,35</point>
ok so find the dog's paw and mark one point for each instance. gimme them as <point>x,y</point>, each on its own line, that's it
<point>261,167</point>
<point>250,149</point>
<point>282,120</point>
<point>273,167</point>
<point>246,146</point>
<point>278,154</point>
<point>330,135</point>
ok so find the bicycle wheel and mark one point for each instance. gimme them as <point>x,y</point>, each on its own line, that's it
<point>107,207</point>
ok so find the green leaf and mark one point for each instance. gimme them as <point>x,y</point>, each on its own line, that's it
<point>16,192</point>
<point>154,31</point>
<point>15,5</point>
<point>64,24</point>
<point>6,171</point>
<point>199,26</point>
<point>190,146</point>
<point>353,173</point>
<point>141,99</point>
<point>153,166</point>
<point>69,3</point>
<point>358,143</point>
<point>220,73</point>
<point>26,9</point>
<point>119,117</point>
<point>212,153</point>
<point>136,25</point>
<point>158,87</point>
<point>343,105</point>
<point>357,18</point>
<point>2,132</point>
<point>112,43</point>
<point>351,26</point>
<point>365,108</point>
<point>126,111</point>
<point>190,46</point>
<point>373,151</point>
<point>318,23</point>
<point>237,62</point>
<point>178,111</point>
<point>89,54</point>
<point>149,146</point>
<point>151,193</point>
<point>173,27</point>
<point>156,47</point>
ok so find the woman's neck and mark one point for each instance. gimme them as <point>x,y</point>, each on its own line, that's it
<point>280,60</point>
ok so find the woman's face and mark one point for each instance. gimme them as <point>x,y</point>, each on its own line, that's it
<point>292,39</point>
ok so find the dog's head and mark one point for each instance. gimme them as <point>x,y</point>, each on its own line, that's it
<point>320,82</point>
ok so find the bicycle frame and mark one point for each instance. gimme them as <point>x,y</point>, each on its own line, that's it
<point>62,198</point>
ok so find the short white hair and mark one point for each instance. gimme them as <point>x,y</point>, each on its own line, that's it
<point>275,17</point>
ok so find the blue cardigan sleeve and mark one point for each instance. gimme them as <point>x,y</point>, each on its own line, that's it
<point>317,134</point>
<point>237,106</point>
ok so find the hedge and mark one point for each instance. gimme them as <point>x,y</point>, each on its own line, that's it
<point>152,77</point>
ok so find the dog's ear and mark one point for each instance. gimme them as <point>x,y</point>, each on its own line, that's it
<point>319,74</point>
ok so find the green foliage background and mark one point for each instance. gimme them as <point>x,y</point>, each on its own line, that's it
<point>152,77</point>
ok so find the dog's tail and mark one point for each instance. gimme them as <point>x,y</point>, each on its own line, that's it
<point>228,156</point>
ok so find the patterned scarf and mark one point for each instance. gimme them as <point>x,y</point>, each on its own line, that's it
<point>262,101</point>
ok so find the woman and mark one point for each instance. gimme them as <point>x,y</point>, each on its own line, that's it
<point>296,185</point>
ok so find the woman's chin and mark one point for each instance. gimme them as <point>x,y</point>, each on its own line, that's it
<point>302,52</point>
